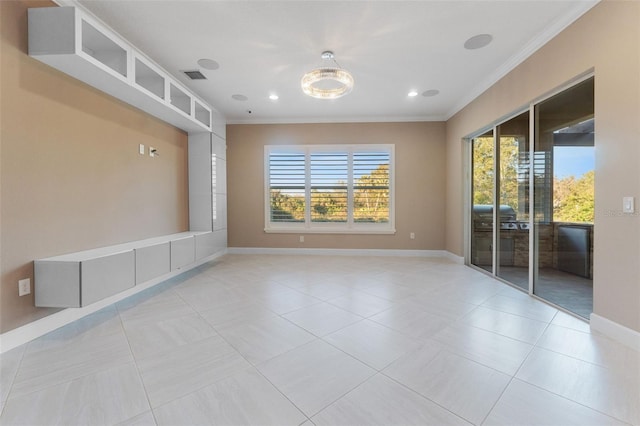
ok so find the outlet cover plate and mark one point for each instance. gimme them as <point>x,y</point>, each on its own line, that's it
<point>24,287</point>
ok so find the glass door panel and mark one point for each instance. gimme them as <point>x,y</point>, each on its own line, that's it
<point>513,198</point>
<point>564,159</point>
<point>482,196</point>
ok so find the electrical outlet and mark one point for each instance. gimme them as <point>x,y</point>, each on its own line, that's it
<point>24,287</point>
<point>302,238</point>
<point>412,236</point>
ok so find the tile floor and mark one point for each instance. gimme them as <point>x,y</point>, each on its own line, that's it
<point>290,340</point>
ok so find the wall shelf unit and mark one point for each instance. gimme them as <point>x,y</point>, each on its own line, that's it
<point>71,41</point>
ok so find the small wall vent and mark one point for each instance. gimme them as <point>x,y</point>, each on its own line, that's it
<point>195,75</point>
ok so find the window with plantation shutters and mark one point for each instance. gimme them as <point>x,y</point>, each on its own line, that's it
<point>329,188</point>
<point>287,185</point>
<point>329,176</point>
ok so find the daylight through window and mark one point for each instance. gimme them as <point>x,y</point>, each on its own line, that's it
<point>329,188</point>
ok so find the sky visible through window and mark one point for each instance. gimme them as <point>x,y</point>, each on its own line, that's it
<point>573,160</point>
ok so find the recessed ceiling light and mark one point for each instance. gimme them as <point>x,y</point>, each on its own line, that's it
<point>273,97</point>
<point>208,64</point>
<point>429,93</point>
<point>412,94</point>
<point>241,98</point>
<point>476,42</point>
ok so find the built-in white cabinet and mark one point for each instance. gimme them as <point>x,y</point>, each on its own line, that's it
<point>210,243</point>
<point>207,182</point>
<point>183,252</point>
<point>71,41</point>
<point>77,279</point>
<point>152,261</point>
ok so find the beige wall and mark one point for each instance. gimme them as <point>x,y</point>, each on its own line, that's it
<point>71,176</point>
<point>420,171</point>
<point>606,39</point>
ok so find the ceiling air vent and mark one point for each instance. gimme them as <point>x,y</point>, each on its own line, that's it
<point>195,75</point>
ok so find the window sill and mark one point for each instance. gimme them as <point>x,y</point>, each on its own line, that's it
<point>329,231</point>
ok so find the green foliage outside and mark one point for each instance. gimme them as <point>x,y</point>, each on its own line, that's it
<point>370,196</point>
<point>573,197</point>
<point>484,171</point>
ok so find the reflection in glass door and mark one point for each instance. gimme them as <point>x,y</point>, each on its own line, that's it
<point>564,162</point>
<point>513,198</point>
<point>482,194</point>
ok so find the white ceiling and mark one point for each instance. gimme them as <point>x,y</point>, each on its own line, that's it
<point>390,47</point>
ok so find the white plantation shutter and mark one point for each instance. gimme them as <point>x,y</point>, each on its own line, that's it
<point>287,179</point>
<point>371,186</point>
<point>329,188</point>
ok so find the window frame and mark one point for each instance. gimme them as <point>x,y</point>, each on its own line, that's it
<point>348,227</point>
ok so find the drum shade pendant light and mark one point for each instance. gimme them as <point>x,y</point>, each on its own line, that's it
<point>330,82</point>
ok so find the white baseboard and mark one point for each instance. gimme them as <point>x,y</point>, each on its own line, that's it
<point>454,257</point>
<point>337,252</point>
<point>615,331</point>
<point>21,335</point>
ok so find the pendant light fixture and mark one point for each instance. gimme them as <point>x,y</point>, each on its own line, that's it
<point>328,82</point>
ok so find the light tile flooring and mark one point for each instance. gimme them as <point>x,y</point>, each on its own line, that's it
<point>290,340</point>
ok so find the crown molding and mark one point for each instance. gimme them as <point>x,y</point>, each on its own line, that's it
<point>552,30</point>
<point>314,120</point>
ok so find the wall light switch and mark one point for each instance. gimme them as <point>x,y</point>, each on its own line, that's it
<point>628,205</point>
<point>152,151</point>
<point>141,149</point>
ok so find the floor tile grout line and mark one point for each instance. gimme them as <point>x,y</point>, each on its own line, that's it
<point>500,334</point>
<point>379,370</point>
<point>515,377</point>
<point>604,367</point>
<point>13,378</point>
<point>483,306</point>
<point>346,393</point>
<point>421,395</point>
<point>495,308</point>
<point>255,367</point>
<point>151,407</point>
<point>572,400</point>
<point>493,406</point>
<point>69,380</point>
<point>135,363</point>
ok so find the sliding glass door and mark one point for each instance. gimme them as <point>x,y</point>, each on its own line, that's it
<point>482,194</point>
<point>512,139</point>
<point>549,254</point>
<point>564,163</point>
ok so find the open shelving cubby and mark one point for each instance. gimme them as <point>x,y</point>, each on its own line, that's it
<point>104,60</point>
<point>179,99</point>
<point>148,78</point>
<point>202,113</point>
<point>103,49</point>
